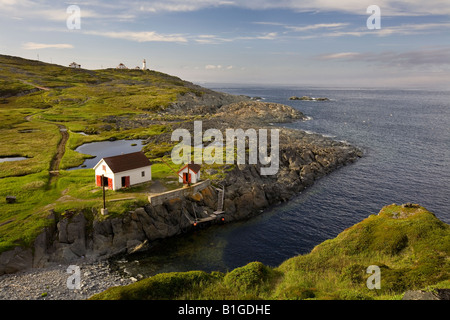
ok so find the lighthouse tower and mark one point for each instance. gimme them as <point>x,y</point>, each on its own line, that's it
<point>144,65</point>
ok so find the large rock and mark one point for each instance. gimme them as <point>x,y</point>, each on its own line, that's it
<point>438,294</point>
<point>16,260</point>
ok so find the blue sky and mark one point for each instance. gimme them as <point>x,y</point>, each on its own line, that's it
<point>309,43</point>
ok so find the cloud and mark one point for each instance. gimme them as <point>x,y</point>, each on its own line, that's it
<point>47,10</point>
<point>182,5</point>
<point>404,29</point>
<point>213,67</point>
<point>37,46</point>
<point>267,23</point>
<point>140,36</point>
<point>358,7</point>
<point>213,39</point>
<point>417,28</point>
<point>218,67</point>
<point>316,26</point>
<point>408,59</point>
<point>210,39</point>
<point>264,36</point>
<point>334,56</point>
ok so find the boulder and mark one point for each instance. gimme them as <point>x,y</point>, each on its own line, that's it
<point>439,294</point>
<point>11,199</point>
<point>15,260</point>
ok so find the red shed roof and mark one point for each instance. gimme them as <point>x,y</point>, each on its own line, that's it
<point>127,162</point>
<point>192,167</point>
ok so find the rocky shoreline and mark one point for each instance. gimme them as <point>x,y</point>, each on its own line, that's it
<point>50,283</point>
<point>87,238</point>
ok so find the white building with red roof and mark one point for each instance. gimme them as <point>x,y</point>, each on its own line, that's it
<point>123,171</point>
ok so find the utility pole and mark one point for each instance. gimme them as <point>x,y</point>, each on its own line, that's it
<point>104,211</point>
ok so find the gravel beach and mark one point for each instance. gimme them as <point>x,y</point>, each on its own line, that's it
<point>52,283</point>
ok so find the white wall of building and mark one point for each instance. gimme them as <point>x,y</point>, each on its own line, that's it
<point>99,170</point>
<point>135,175</point>
<point>195,177</point>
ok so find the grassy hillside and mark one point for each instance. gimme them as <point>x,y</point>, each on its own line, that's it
<point>409,244</point>
<point>34,96</point>
<point>36,99</point>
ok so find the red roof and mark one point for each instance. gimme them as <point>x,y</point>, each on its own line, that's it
<point>192,167</point>
<point>127,162</point>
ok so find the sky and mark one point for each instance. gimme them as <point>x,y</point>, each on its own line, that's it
<point>323,43</point>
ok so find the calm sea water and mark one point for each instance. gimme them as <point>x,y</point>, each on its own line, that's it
<point>405,136</point>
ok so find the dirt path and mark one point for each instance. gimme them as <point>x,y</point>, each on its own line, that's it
<point>61,149</point>
<point>31,84</point>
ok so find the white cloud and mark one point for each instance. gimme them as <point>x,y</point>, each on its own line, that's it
<point>213,39</point>
<point>140,36</point>
<point>210,39</point>
<point>358,7</point>
<point>47,10</point>
<point>316,26</point>
<point>213,67</point>
<point>419,28</point>
<point>264,36</point>
<point>405,29</point>
<point>388,7</point>
<point>182,5</point>
<point>267,36</point>
<point>217,67</point>
<point>408,59</point>
<point>341,55</point>
<point>37,46</point>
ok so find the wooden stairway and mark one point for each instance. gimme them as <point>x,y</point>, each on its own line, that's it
<point>216,214</point>
<point>221,198</point>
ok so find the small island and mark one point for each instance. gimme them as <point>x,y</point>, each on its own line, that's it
<point>308,98</point>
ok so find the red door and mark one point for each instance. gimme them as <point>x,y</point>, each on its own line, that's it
<point>110,184</point>
<point>99,181</point>
<point>125,182</point>
<point>186,178</point>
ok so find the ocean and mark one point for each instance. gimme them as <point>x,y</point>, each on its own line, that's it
<point>405,136</point>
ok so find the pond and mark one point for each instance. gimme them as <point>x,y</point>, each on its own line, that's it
<point>105,149</point>
<point>5,159</point>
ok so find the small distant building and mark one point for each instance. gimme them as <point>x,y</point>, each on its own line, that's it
<point>75,65</point>
<point>190,173</point>
<point>144,65</point>
<point>121,66</point>
<point>123,171</point>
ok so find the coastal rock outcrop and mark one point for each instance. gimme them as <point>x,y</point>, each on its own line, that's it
<point>308,98</point>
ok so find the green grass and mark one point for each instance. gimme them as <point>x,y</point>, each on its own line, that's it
<point>335,269</point>
<point>12,88</point>
<point>22,221</point>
